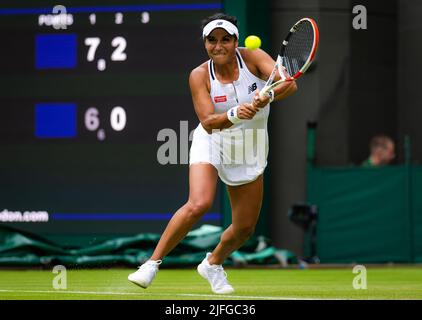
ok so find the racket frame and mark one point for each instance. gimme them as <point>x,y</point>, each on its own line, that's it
<point>279,61</point>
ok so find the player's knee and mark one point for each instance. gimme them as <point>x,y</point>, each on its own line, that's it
<point>197,208</point>
<point>244,232</point>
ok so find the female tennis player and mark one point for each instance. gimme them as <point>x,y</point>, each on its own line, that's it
<point>232,115</point>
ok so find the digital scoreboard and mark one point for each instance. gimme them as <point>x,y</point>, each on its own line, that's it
<point>96,115</point>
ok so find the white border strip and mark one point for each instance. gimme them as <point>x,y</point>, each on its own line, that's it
<point>192,295</point>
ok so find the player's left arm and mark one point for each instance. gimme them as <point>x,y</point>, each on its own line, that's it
<point>262,65</point>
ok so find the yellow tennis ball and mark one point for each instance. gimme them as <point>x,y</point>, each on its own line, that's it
<point>252,42</point>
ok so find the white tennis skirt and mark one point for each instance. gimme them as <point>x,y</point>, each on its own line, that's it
<point>238,154</point>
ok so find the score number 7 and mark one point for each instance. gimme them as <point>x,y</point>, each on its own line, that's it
<point>118,54</point>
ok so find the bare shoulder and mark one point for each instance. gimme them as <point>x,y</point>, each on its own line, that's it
<point>199,76</point>
<point>255,59</point>
<point>199,73</point>
<point>254,56</point>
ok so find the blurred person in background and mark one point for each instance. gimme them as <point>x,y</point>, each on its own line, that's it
<point>382,151</point>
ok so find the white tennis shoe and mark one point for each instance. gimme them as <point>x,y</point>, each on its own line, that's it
<point>215,275</point>
<point>145,274</point>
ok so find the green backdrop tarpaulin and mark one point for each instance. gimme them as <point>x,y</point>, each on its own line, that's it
<point>416,207</point>
<point>367,215</point>
<point>25,249</point>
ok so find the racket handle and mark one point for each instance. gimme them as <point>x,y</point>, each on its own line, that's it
<point>264,92</point>
<point>267,93</point>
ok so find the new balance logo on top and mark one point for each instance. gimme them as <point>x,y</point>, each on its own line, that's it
<point>252,88</point>
<point>219,23</point>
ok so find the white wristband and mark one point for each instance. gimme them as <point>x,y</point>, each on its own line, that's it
<point>271,95</point>
<point>232,115</point>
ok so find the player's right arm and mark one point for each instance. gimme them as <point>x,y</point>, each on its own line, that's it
<point>204,108</point>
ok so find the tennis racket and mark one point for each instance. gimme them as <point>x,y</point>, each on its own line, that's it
<point>296,54</point>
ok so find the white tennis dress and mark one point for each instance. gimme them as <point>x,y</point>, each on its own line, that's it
<point>239,153</point>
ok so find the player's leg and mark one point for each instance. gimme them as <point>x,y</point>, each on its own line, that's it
<point>246,203</point>
<point>202,185</point>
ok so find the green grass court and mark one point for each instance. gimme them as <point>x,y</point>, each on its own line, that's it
<point>254,284</point>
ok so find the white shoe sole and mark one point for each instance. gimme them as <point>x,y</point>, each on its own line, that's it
<point>140,284</point>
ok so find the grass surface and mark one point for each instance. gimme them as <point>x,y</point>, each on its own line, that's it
<point>172,284</point>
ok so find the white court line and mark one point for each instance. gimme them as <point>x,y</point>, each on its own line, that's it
<point>160,294</point>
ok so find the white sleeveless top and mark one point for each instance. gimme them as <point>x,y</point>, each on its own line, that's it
<point>240,152</point>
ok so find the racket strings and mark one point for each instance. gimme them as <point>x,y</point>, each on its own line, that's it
<point>299,48</point>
